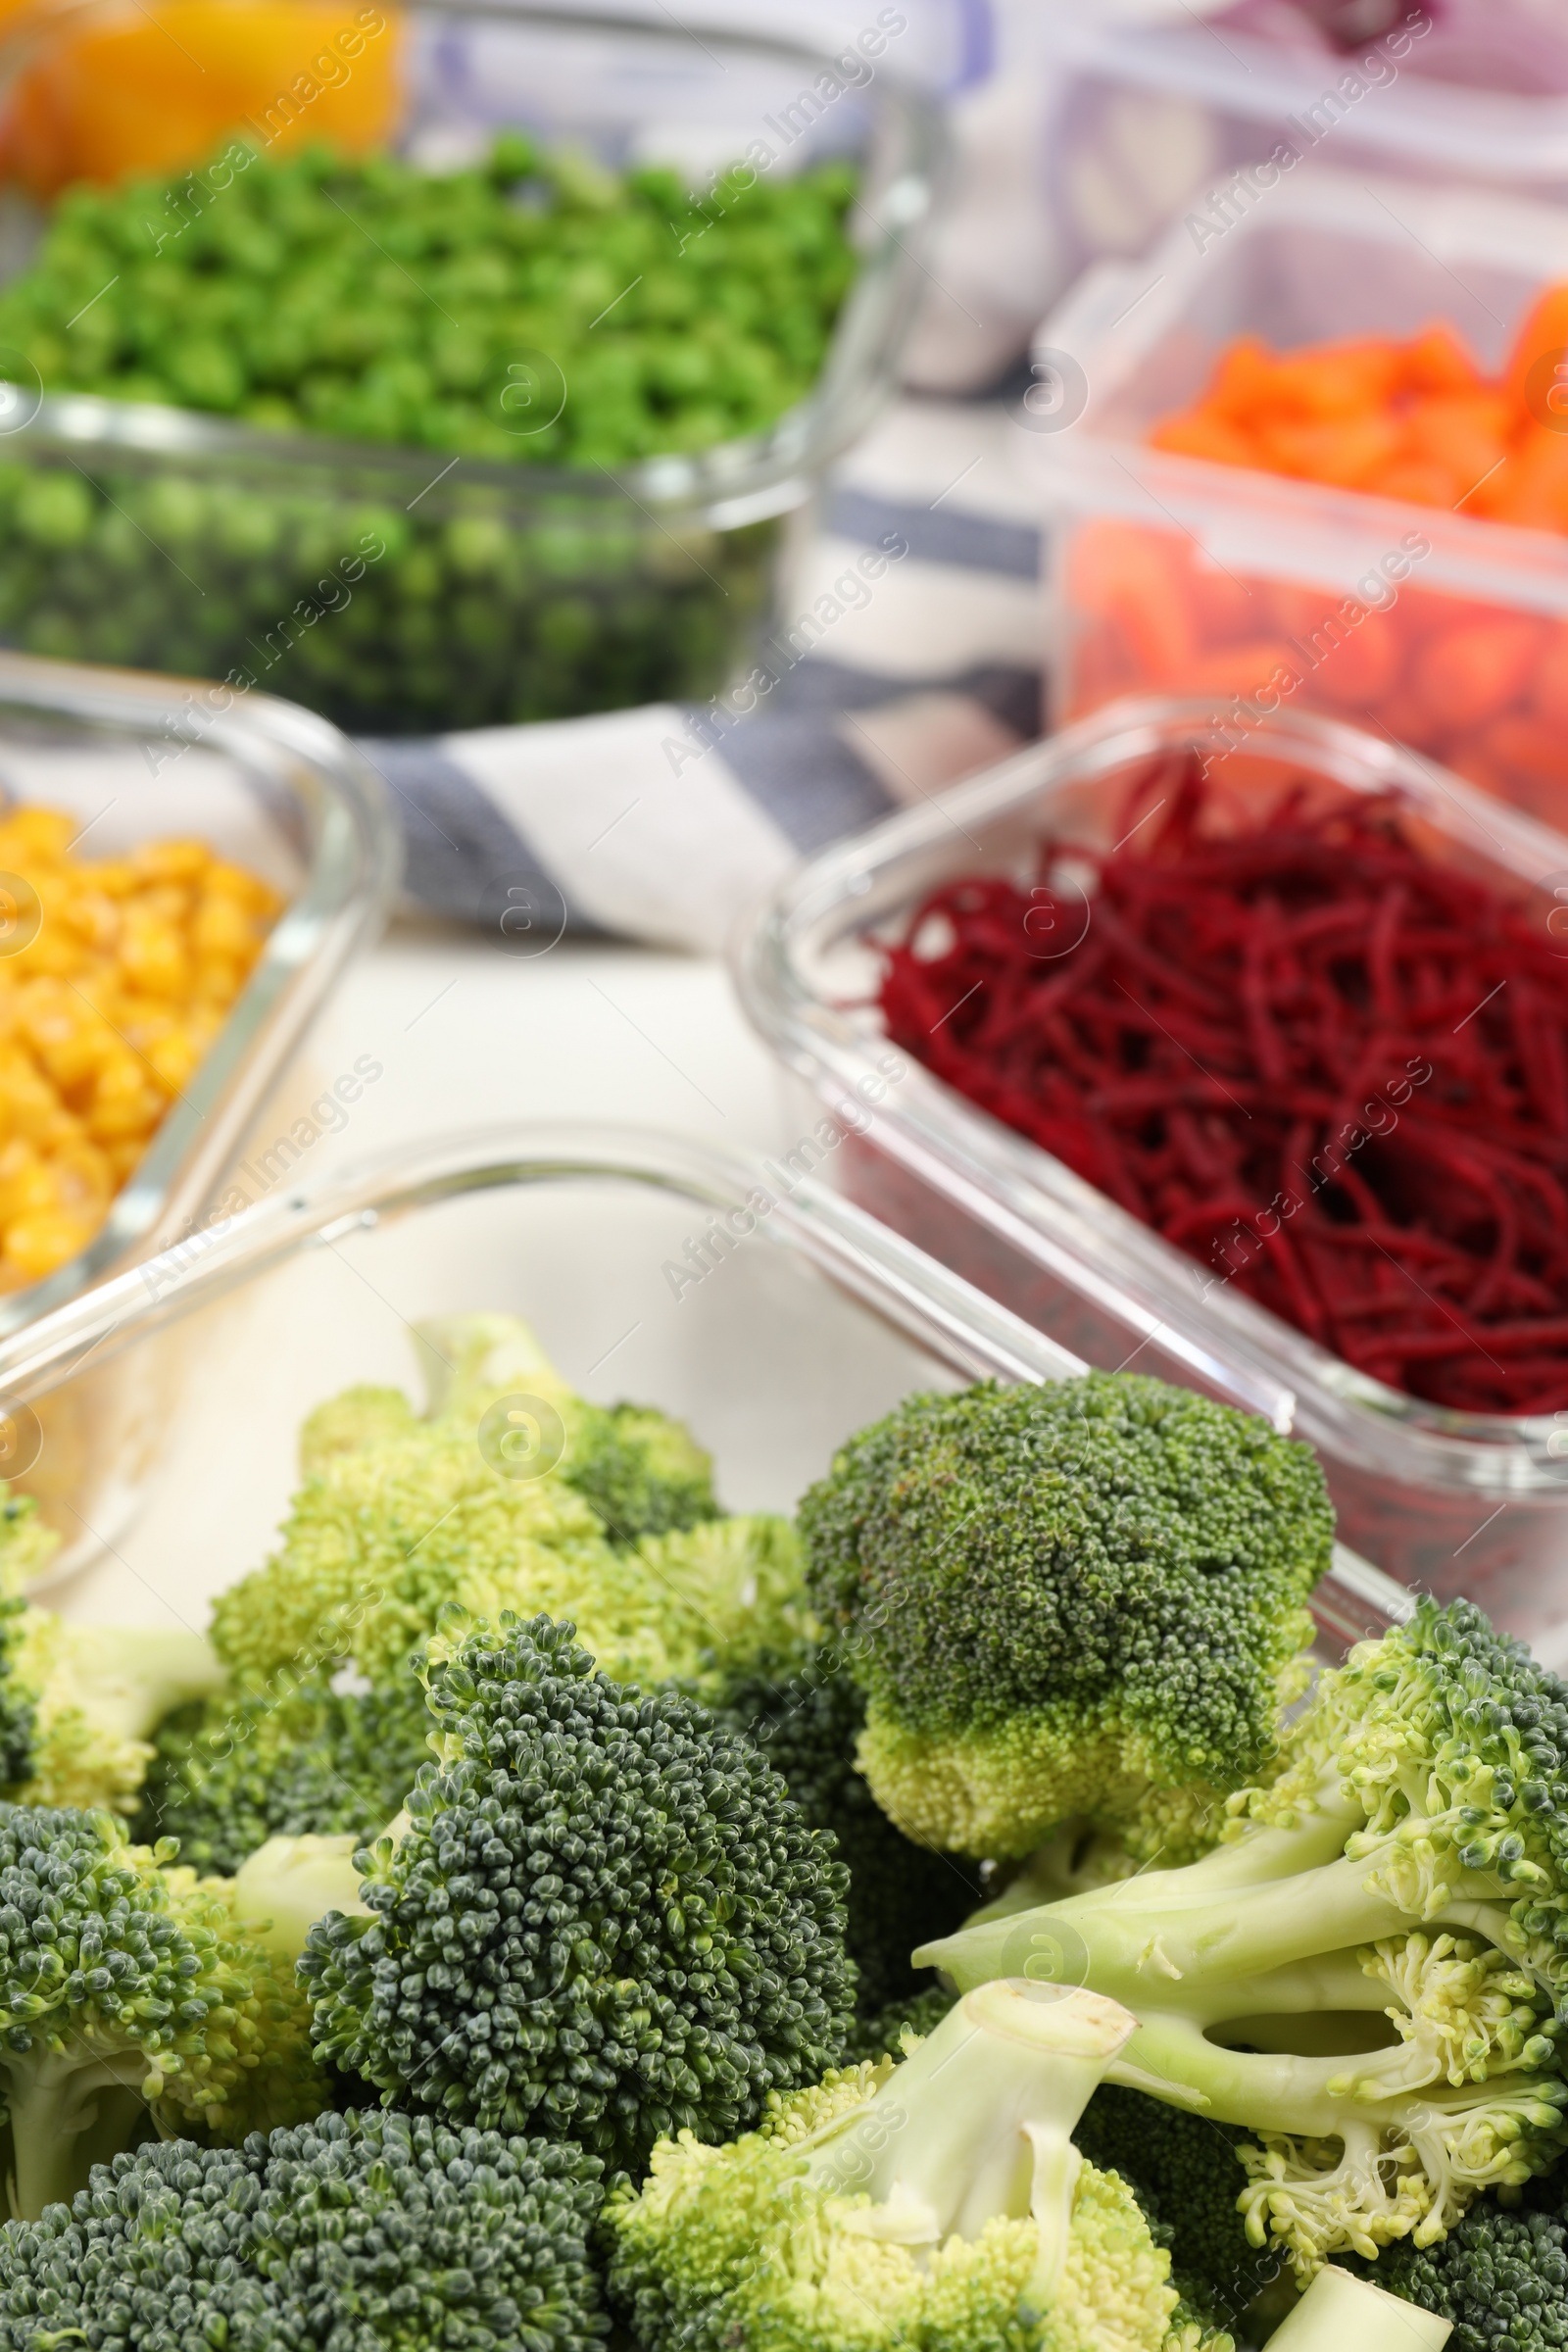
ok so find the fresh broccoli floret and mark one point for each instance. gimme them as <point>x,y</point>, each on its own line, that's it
<point>400,1517</point>
<point>886,2033</point>
<point>1369,1975</point>
<point>28,1544</point>
<point>1188,2181</point>
<point>940,2202</point>
<point>643,1473</point>
<point>77,1703</point>
<point>806,1715</point>
<point>127,1986</point>
<point>380,2233</point>
<point>1500,2275</point>
<point>311,1760</point>
<point>1084,1600</point>
<point>601,1919</point>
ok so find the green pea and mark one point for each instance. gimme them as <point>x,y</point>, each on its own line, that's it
<point>55,509</point>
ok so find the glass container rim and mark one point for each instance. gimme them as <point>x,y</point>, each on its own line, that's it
<point>899,1284</point>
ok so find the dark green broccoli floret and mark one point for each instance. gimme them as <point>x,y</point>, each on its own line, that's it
<point>357,2231</point>
<point>880,2035</point>
<point>310,1761</point>
<point>1084,1600</point>
<point>806,1715</point>
<point>642,1472</point>
<point>1405,1867</point>
<point>1187,2177</point>
<point>604,1919</point>
<point>127,1986</point>
<point>1501,2276</point>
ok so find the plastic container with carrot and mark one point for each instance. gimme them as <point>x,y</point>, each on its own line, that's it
<point>1325,466</point>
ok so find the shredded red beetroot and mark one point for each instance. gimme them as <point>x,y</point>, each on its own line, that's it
<point>1332,1070</point>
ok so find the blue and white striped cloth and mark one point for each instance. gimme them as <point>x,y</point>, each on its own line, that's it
<point>662,824</point>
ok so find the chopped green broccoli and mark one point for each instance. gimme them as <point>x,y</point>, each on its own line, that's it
<point>400,1517</point>
<point>128,1986</point>
<point>643,1473</point>
<point>1500,2275</point>
<point>599,1919</point>
<point>79,1704</point>
<point>311,1760</point>
<point>28,1543</point>
<point>1188,2181</point>
<point>1369,1976</point>
<point>940,2202</point>
<point>806,1714</point>
<point>1084,1600</point>
<point>380,2233</point>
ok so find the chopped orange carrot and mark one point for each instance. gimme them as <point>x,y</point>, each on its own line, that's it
<point>1242,381</point>
<point>1224,607</point>
<point>1531,488</point>
<point>1331,380</point>
<point>1437,361</point>
<point>1472,673</point>
<point>1542,336</point>
<point>1528,747</point>
<point>1204,434</point>
<point>1244,670</point>
<point>1466,433</point>
<point>1348,451</point>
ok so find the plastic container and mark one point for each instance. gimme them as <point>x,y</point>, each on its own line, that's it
<point>1176,575</point>
<point>280,792</point>
<point>1143,124</point>
<point>400,590</point>
<point>811,1320</point>
<point>1447,1501</point>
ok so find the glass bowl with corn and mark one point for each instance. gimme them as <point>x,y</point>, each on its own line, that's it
<point>177,890</point>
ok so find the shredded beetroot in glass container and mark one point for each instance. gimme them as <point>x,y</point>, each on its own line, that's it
<point>1332,1070</point>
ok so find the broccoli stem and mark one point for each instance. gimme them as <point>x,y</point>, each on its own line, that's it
<point>1340,2313</point>
<point>288,1884</point>
<point>129,1678</point>
<point>70,2109</point>
<point>1168,1927</point>
<point>945,2148</point>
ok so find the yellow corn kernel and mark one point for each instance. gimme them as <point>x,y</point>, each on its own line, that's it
<point>222,924</point>
<point>115,877</point>
<point>174,1059</point>
<point>218,981</point>
<point>37,1244</point>
<point>45,833</point>
<point>104,1017</point>
<point>152,956</point>
<point>93,917</point>
<point>170,861</point>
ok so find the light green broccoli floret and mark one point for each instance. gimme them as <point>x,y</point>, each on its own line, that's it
<point>1369,1976</point>
<point>642,1472</point>
<point>401,1516</point>
<point>130,1997</point>
<point>80,1703</point>
<point>1084,1600</point>
<point>940,2202</point>
<point>27,1545</point>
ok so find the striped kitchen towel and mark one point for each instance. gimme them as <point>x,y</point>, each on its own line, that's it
<point>909,657</point>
